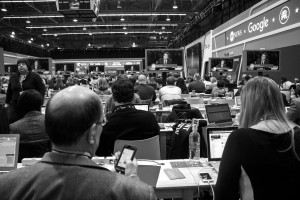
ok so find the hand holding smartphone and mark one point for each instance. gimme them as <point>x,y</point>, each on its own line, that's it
<point>205,177</point>
<point>127,153</point>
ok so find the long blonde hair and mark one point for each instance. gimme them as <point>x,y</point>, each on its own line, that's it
<point>261,100</point>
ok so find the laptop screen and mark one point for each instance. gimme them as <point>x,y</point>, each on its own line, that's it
<point>9,149</point>
<point>144,107</point>
<point>216,140</point>
<point>218,113</point>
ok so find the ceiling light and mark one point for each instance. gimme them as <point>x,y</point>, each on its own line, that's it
<point>119,5</point>
<point>31,39</point>
<point>125,33</point>
<point>42,45</point>
<point>163,28</point>
<point>47,44</point>
<point>12,36</point>
<point>45,29</point>
<point>55,34</point>
<point>84,28</point>
<point>160,33</point>
<point>75,20</point>
<point>90,34</point>
<point>124,28</point>
<point>13,33</point>
<point>28,21</point>
<point>168,18</point>
<point>89,44</point>
<point>174,5</point>
<point>3,9</point>
<point>122,18</point>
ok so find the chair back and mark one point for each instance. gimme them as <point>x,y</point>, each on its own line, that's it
<point>34,149</point>
<point>146,149</point>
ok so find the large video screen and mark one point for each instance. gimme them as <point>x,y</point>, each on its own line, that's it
<point>164,59</point>
<point>194,59</point>
<point>39,65</point>
<point>64,67</point>
<point>10,68</point>
<point>221,64</point>
<point>96,68</point>
<point>132,68</point>
<point>262,60</point>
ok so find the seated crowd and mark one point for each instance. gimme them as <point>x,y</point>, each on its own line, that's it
<point>266,145</point>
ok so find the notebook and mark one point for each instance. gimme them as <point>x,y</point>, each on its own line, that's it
<point>149,174</point>
<point>9,151</point>
<point>216,140</point>
<point>144,107</point>
<point>218,113</point>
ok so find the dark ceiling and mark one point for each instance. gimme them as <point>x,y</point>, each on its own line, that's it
<point>145,23</point>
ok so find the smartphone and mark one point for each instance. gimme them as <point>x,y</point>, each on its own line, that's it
<point>128,152</point>
<point>205,177</point>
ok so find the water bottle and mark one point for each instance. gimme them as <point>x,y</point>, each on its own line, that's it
<point>194,145</point>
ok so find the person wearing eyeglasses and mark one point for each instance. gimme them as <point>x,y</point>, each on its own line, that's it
<point>24,79</point>
<point>74,123</point>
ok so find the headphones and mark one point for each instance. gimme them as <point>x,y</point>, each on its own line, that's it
<point>121,107</point>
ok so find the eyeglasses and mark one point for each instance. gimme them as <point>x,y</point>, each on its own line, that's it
<point>22,64</point>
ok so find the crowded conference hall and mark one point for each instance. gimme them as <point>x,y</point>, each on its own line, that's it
<point>150,99</point>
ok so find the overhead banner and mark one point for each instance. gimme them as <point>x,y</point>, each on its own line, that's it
<point>284,15</point>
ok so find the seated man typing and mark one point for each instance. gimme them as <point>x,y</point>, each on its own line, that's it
<point>73,122</point>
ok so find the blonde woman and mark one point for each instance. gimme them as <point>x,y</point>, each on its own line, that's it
<point>102,87</point>
<point>261,158</point>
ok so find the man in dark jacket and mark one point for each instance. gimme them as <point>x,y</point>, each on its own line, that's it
<point>126,122</point>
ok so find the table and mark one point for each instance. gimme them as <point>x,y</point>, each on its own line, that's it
<point>186,188</point>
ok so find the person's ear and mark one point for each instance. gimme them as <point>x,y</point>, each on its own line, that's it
<point>91,134</point>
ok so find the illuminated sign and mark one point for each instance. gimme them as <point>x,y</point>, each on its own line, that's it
<point>276,18</point>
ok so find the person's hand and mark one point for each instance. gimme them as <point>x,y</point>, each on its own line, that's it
<point>6,105</point>
<point>131,168</point>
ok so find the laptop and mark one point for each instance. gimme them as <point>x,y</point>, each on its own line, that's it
<point>218,114</point>
<point>144,107</point>
<point>9,151</point>
<point>216,140</point>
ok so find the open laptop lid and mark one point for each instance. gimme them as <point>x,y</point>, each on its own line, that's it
<point>218,113</point>
<point>9,151</point>
<point>144,107</point>
<point>216,140</point>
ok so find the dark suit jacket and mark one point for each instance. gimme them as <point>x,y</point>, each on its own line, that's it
<point>127,124</point>
<point>31,127</point>
<point>161,61</point>
<point>198,86</point>
<point>293,113</point>
<point>145,92</point>
<point>62,176</point>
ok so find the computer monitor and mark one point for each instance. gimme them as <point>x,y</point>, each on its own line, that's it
<point>218,113</point>
<point>216,140</point>
<point>9,151</point>
<point>144,107</point>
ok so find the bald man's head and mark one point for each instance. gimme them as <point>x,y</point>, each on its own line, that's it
<point>142,79</point>
<point>70,113</point>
